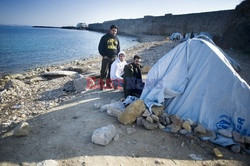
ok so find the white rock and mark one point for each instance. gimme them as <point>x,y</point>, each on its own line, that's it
<point>146,113</point>
<point>195,157</point>
<point>103,108</point>
<point>113,112</point>
<point>103,135</point>
<point>130,130</point>
<point>97,106</point>
<point>48,163</point>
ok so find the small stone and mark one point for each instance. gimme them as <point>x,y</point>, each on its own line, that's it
<point>186,125</point>
<point>247,139</point>
<point>165,115</point>
<point>158,162</point>
<point>173,128</point>
<point>183,132</point>
<point>16,107</point>
<point>150,119</point>
<point>22,129</point>
<point>168,121</point>
<point>48,163</point>
<point>148,125</point>
<point>163,120</point>
<point>97,106</point>
<point>130,130</point>
<point>209,135</point>
<point>161,126</point>
<point>103,135</point>
<point>218,153</point>
<point>235,148</point>
<point>155,118</point>
<point>116,137</point>
<point>134,142</point>
<point>162,147</point>
<point>190,121</point>
<point>146,113</point>
<point>200,129</point>
<point>195,157</point>
<point>176,120</point>
<point>237,137</point>
<point>103,108</point>
<point>157,110</point>
<point>139,121</point>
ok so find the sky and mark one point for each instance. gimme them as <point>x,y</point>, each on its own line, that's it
<point>71,12</point>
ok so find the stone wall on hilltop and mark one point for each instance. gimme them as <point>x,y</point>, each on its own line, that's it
<point>211,22</point>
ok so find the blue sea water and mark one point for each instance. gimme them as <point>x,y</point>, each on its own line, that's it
<point>24,47</point>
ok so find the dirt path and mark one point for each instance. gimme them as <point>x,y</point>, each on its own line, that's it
<point>62,131</point>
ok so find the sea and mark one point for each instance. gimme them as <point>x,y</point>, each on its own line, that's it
<point>25,47</point>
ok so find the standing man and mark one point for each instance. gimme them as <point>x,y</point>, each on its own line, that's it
<point>109,47</point>
<point>133,84</point>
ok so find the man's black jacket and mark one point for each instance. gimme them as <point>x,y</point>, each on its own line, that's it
<point>109,46</point>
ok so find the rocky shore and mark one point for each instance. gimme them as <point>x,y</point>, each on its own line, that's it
<point>29,94</point>
<point>33,95</point>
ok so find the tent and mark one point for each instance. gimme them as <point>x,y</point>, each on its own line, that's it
<point>196,80</point>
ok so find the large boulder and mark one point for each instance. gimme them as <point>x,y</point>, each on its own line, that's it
<point>103,135</point>
<point>132,112</point>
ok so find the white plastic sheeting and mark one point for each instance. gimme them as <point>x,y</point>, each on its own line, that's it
<point>195,80</point>
<point>176,35</point>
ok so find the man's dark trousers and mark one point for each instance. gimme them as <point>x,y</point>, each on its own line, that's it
<point>106,66</point>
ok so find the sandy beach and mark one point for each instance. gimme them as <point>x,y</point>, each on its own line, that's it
<point>63,120</point>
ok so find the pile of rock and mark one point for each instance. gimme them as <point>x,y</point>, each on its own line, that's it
<point>174,124</point>
<point>137,112</point>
